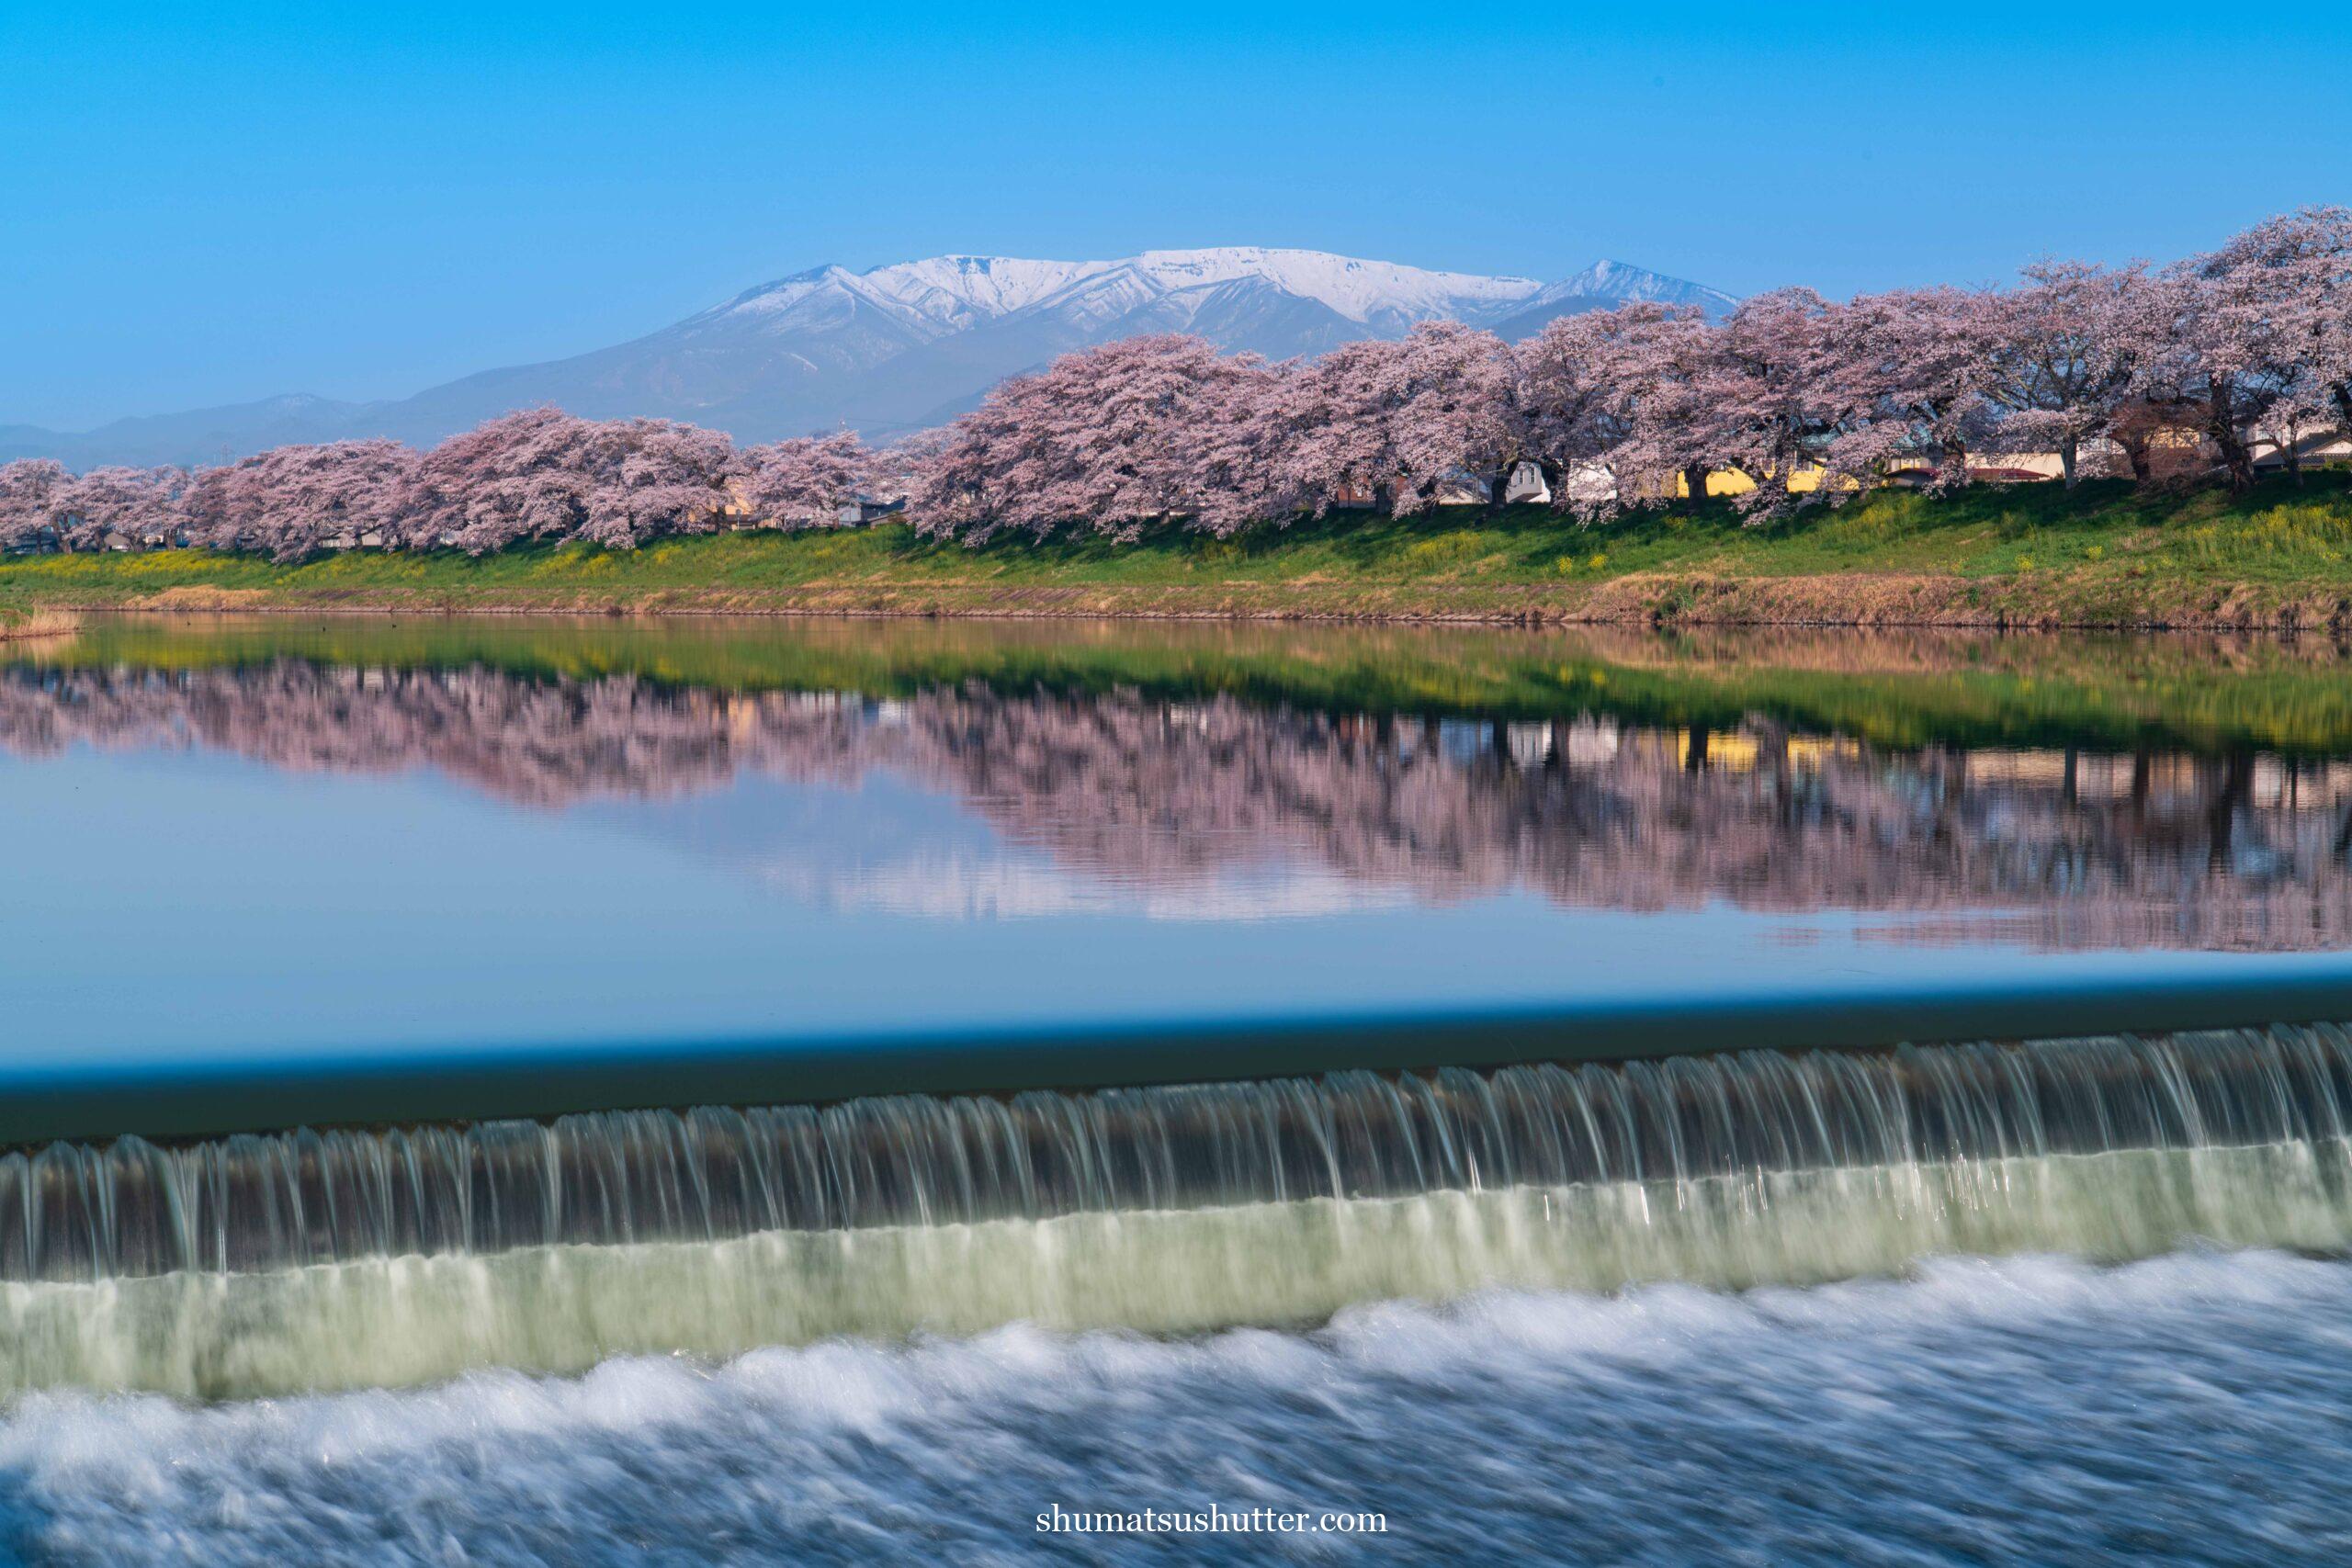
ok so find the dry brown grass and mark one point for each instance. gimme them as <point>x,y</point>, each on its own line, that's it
<point>203,596</point>
<point>38,622</point>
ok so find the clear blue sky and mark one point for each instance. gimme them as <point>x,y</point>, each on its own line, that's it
<point>204,204</point>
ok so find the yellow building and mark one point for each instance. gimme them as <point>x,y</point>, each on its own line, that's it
<point>1732,482</point>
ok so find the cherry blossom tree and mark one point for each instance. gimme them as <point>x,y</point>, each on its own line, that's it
<point>964,479</point>
<point>26,489</point>
<point>1907,374</point>
<point>292,501</point>
<point>1667,371</point>
<point>2279,298</point>
<point>541,474</point>
<point>1575,380</point>
<point>2249,325</point>
<point>1397,419</point>
<point>2068,356</point>
<point>804,482</point>
<point>1159,429</point>
<point>515,478</point>
<point>138,504</point>
<point>1236,480</point>
<point>1110,438</point>
<point>1768,401</point>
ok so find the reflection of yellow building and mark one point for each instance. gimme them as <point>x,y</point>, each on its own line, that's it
<point>1729,752</point>
<point>1998,766</point>
<point>1813,750</point>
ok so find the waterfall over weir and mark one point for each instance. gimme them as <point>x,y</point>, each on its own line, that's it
<point>260,1264</point>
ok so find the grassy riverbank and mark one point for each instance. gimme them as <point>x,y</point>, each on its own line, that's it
<point>2027,556</point>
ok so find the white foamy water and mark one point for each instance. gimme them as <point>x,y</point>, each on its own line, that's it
<point>413,1320</point>
<point>2196,1406</point>
<point>1701,1309</point>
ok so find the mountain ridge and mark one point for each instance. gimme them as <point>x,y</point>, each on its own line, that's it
<point>903,345</point>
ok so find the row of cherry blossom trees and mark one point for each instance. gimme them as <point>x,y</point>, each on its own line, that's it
<point>536,474</point>
<point>2216,357</point>
<point>2220,356</point>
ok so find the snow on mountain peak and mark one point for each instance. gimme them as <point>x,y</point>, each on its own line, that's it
<point>1618,280</point>
<point>907,345</point>
<point>958,290</point>
<point>1356,289</point>
<point>783,293</point>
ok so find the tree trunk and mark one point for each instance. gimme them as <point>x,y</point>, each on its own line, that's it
<point>2222,818</point>
<point>2342,393</point>
<point>2069,451</point>
<point>1695,477</point>
<point>2221,425</point>
<point>2135,451</point>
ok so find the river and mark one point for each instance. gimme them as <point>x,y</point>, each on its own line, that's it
<point>513,1089</point>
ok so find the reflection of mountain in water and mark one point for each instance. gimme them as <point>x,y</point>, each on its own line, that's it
<point>1222,808</point>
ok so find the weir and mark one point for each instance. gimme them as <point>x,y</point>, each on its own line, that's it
<point>255,1203</point>
<point>272,1263</point>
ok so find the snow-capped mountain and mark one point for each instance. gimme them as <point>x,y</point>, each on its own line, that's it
<point>1615,281</point>
<point>951,293</point>
<point>1601,286</point>
<point>903,346</point>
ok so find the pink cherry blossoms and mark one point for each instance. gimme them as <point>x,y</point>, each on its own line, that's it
<point>1797,399</point>
<point>2223,363</point>
<point>537,474</point>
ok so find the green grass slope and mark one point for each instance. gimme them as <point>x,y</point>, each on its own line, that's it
<point>2104,555</point>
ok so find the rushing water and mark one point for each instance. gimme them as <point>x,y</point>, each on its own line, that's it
<point>2191,1409</point>
<point>266,1265</point>
<point>2054,1299</point>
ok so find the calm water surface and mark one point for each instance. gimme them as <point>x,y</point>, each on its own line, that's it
<point>270,836</point>
<point>2082,1302</point>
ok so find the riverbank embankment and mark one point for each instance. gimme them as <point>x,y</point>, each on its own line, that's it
<point>2023,556</point>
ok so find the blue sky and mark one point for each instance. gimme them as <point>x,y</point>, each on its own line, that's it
<point>203,205</point>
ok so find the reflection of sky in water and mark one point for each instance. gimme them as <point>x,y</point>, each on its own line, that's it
<point>194,903</point>
<point>891,847</point>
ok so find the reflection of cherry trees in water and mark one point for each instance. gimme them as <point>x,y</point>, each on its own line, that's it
<point>535,743</point>
<point>2056,847</point>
